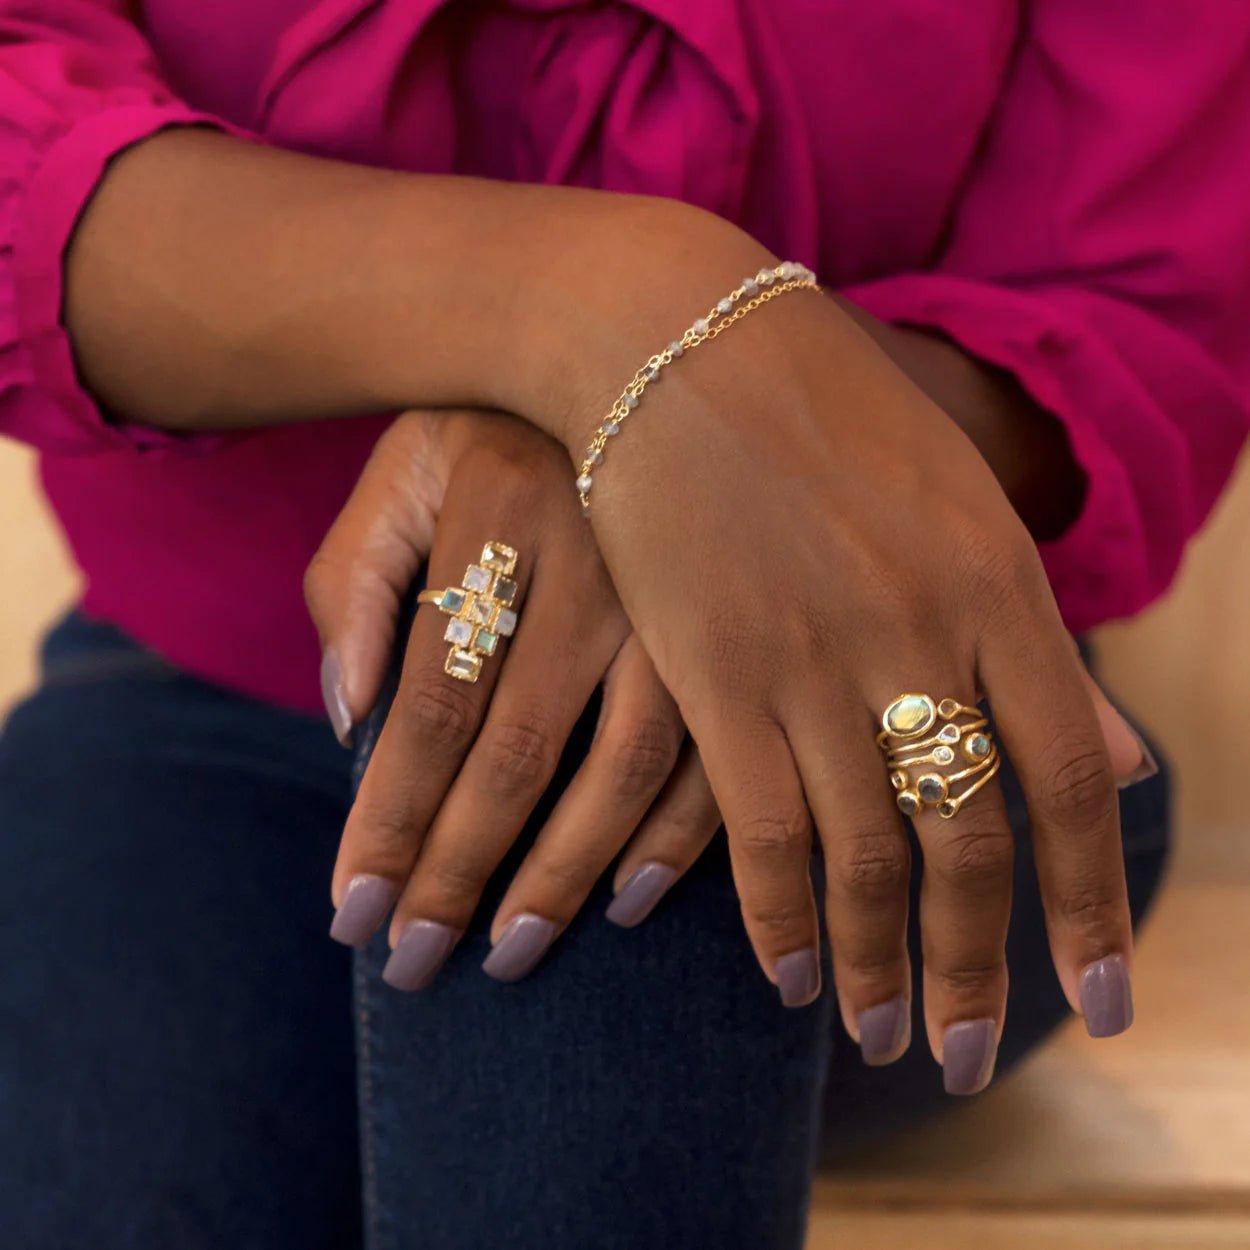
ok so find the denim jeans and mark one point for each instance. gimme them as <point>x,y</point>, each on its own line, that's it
<point>189,1063</point>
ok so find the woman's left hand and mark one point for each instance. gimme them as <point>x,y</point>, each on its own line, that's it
<point>459,766</point>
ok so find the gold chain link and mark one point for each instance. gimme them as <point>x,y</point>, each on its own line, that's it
<point>717,323</point>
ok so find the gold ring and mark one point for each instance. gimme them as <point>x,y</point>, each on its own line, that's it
<point>925,760</point>
<point>481,611</point>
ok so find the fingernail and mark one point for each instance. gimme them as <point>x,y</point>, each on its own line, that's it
<point>968,1052</point>
<point>1107,997</point>
<point>521,945</point>
<point>1149,766</point>
<point>798,977</point>
<point>884,1031</point>
<point>640,893</point>
<point>365,903</point>
<point>334,696</point>
<point>419,954</point>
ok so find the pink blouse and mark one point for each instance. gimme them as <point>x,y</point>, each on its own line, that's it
<point>1061,187</point>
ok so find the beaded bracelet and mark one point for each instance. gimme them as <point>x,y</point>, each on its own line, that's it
<point>766,285</point>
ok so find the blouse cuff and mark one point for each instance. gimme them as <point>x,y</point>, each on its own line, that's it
<point>1099,567</point>
<point>54,197</point>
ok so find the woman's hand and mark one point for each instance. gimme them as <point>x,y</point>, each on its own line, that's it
<point>800,536</point>
<point>459,767</point>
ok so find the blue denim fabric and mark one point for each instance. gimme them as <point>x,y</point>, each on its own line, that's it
<point>179,1068</point>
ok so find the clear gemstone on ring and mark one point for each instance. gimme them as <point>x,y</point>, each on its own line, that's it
<point>907,802</point>
<point>458,632</point>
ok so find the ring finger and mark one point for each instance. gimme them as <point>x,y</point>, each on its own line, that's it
<point>943,767</point>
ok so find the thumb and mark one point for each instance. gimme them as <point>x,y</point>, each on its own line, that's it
<point>356,582</point>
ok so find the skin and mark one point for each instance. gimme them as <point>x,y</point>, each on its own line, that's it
<point>489,750</point>
<point>212,284</point>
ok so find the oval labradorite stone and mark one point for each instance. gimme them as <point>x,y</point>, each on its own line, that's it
<point>912,714</point>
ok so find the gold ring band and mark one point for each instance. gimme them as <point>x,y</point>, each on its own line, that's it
<point>481,611</point>
<point>925,759</point>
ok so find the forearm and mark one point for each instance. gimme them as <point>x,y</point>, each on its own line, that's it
<point>214,283</point>
<point>1024,445</point>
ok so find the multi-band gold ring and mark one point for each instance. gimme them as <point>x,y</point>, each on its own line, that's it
<point>939,753</point>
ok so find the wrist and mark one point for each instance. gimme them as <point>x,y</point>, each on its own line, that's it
<point>656,265</point>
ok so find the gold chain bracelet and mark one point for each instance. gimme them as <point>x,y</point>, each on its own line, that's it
<point>751,294</point>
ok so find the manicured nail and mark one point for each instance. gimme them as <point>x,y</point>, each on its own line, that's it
<point>365,903</point>
<point>419,954</point>
<point>1149,766</point>
<point>969,1049</point>
<point>640,893</point>
<point>798,977</point>
<point>335,697</point>
<point>521,945</point>
<point>1107,997</point>
<point>884,1031</point>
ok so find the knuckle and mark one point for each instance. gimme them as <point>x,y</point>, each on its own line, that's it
<point>779,919</point>
<point>440,711</point>
<point>569,875</point>
<point>874,868</point>
<point>387,831</point>
<point>456,879</point>
<point>1093,906</point>
<point>520,756</point>
<point>643,757</point>
<point>998,572</point>
<point>1078,789</point>
<point>975,859</point>
<point>873,965</point>
<point>970,977</point>
<point>779,834</point>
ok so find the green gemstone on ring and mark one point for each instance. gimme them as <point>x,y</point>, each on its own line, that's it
<point>910,715</point>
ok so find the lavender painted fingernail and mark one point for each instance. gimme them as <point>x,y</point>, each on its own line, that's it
<point>1107,997</point>
<point>1149,767</point>
<point>640,893</point>
<point>798,977</point>
<point>521,945</point>
<point>969,1049</point>
<point>419,954</point>
<point>884,1031</point>
<point>365,903</point>
<point>335,697</point>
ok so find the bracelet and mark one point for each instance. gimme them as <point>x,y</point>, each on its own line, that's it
<point>766,285</point>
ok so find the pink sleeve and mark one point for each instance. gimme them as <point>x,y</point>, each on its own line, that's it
<point>77,85</point>
<point>1100,251</point>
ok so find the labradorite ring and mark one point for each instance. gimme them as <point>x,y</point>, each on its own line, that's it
<point>939,753</point>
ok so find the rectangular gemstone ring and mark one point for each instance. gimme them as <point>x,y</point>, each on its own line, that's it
<point>480,610</point>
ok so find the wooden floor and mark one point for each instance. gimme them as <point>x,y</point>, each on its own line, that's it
<point>1136,1143</point>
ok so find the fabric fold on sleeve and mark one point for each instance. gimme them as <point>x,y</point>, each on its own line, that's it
<point>66,109</point>
<point>1143,498</point>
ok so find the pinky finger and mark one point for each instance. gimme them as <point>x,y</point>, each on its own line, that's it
<point>677,829</point>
